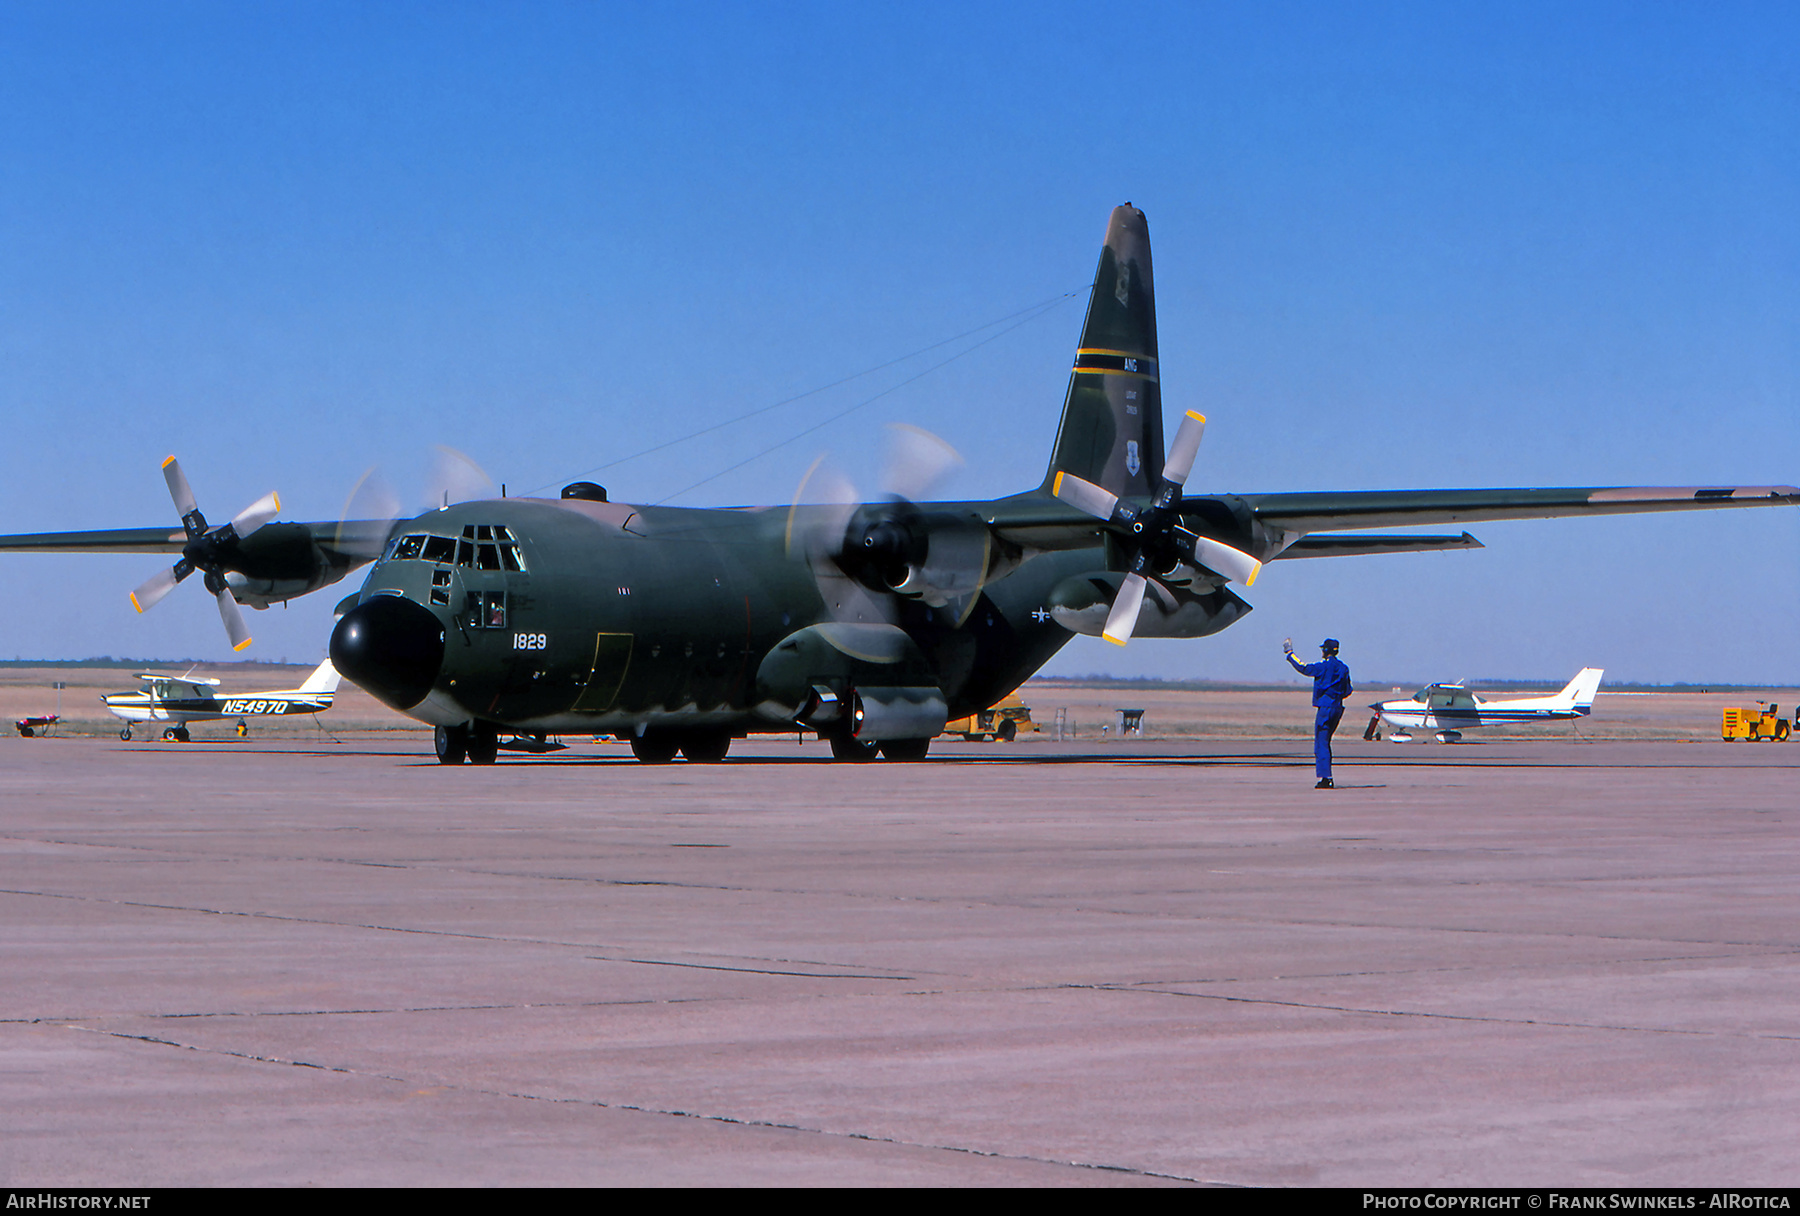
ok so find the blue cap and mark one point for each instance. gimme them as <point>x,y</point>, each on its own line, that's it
<point>1330,644</point>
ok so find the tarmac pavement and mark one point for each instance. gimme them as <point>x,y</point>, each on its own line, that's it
<point>1556,963</point>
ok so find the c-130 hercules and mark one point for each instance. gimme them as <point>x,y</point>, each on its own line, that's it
<point>870,625</point>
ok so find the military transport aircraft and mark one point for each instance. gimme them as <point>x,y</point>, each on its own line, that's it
<point>1450,709</point>
<point>869,624</point>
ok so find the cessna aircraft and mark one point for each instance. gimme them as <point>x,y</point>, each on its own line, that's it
<point>1450,709</point>
<point>179,700</point>
<point>868,624</point>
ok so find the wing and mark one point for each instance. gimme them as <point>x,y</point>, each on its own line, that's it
<point>118,540</point>
<point>1040,522</point>
<point>356,539</point>
<point>1330,512</point>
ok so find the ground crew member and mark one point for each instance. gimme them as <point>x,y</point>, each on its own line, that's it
<point>1331,684</point>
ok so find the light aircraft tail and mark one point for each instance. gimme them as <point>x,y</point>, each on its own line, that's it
<point>323,679</point>
<point>1111,432</point>
<point>1579,692</point>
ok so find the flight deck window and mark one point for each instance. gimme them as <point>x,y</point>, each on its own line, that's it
<point>440,549</point>
<point>408,547</point>
<point>465,553</point>
<point>487,557</point>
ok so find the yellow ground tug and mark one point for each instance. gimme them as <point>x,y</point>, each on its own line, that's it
<point>1754,725</point>
<point>1005,722</point>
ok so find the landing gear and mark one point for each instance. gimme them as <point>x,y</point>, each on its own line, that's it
<point>452,744</point>
<point>125,734</point>
<point>906,749</point>
<point>484,743</point>
<point>848,747</point>
<point>478,743</point>
<point>1449,736</point>
<point>175,734</point>
<point>243,729</point>
<point>655,746</point>
<point>705,746</point>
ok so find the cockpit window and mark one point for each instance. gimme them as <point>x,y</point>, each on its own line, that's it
<point>440,549</point>
<point>487,557</point>
<point>407,547</point>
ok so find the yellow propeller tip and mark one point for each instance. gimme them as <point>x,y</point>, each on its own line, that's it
<point>243,644</point>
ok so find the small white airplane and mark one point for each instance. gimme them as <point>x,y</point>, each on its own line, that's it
<point>179,700</point>
<point>1450,709</point>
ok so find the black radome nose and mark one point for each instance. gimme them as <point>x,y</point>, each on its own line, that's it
<point>391,647</point>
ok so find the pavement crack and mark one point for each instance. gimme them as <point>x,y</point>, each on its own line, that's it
<point>667,1112</point>
<point>1325,1007</point>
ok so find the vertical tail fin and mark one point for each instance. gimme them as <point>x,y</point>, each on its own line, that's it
<point>323,679</point>
<point>1580,691</point>
<point>1111,432</point>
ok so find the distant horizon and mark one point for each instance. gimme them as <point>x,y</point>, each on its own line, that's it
<point>1096,680</point>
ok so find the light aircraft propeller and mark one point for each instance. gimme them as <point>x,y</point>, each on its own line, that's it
<point>1153,537</point>
<point>206,551</point>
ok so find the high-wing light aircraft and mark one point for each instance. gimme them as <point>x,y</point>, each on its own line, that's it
<point>178,700</point>
<point>1450,709</point>
<point>869,624</point>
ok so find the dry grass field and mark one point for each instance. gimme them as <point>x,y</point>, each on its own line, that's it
<point>1092,709</point>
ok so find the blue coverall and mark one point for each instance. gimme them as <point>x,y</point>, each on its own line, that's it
<point>1331,684</point>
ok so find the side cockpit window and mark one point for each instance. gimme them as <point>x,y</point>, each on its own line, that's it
<point>407,548</point>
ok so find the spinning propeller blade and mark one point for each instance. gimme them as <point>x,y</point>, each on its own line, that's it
<point>206,550</point>
<point>1156,539</point>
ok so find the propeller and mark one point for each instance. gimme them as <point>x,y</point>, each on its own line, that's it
<point>890,547</point>
<point>1153,536</point>
<point>206,550</point>
<point>373,506</point>
<point>368,516</point>
<point>455,478</point>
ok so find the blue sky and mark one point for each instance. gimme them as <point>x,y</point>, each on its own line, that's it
<point>1396,246</point>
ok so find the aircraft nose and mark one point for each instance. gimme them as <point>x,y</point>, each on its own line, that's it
<point>391,647</point>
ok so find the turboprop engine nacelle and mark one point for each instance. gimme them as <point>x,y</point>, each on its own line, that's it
<point>1081,605</point>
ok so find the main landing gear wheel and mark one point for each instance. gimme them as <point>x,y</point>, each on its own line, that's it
<point>125,734</point>
<point>905,749</point>
<point>655,746</point>
<point>175,734</point>
<point>705,746</point>
<point>452,744</point>
<point>848,747</point>
<point>484,743</point>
